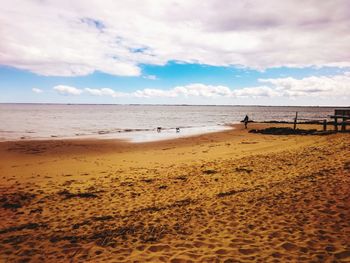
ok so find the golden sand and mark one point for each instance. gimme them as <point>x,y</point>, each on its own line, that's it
<point>224,197</point>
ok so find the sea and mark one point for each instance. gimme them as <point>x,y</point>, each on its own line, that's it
<point>135,123</point>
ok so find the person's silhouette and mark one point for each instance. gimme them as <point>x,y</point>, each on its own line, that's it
<point>246,120</point>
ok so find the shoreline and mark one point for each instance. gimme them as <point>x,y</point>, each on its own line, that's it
<point>133,135</point>
<point>236,131</point>
<point>151,135</point>
<point>114,136</point>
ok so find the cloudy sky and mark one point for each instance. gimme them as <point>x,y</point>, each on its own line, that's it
<point>261,52</point>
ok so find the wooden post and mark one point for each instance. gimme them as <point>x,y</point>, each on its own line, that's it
<point>343,125</point>
<point>295,120</point>
<point>336,124</point>
<point>324,125</point>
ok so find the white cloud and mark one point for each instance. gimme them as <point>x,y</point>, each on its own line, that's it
<point>151,77</point>
<point>255,92</point>
<point>191,90</point>
<point>154,93</point>
<point>36,90</point>
<point>105,92</point>
<point>67,90</point>
<point>65,38</point>
<point>337,86</point>
<point>323,86</point>
<point>203,90</point>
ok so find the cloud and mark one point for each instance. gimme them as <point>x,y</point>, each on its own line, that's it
<point>151,77</point>
<point>337,86</point>
<point>255,92</point>
<point>154,93</point>
<point>65,38</point>
<point>67,90</point>
<point>105,92</point>
<point>203,90</point>
<point>36,90</point>
<point>322,86</point>
<point>191,90</point>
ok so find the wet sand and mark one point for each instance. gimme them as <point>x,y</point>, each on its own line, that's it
<point>230,196</point>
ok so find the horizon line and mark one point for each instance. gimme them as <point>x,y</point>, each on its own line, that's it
<point>159,104</point>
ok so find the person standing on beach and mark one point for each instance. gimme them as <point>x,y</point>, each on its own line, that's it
<point>246,120</point>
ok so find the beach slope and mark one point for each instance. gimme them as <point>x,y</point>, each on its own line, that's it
<point>230,196</point>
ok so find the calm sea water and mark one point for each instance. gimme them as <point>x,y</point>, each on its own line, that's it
<point>133,122</point>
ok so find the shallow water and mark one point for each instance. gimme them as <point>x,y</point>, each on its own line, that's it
<point>134,122</point>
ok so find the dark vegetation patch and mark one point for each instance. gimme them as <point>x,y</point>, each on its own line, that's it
<point>154,233</point>
<point>102,218</point>
<point>151,209</point>
<point>71,239</point>
<point>15,239</point>
<point>243,170</point>
<point>347,166</point>
<point>68,195</point>
<point>21,227</point>
<point>181,177</point>
<point>148,180</point>
<point>109,237</point>
<point>209,171</point>
<point>343,255</point>
<point>301,122</point>
<point>36,210</point>
<point>78,225</point>
<point>106,237</point>
<point>285,131</point>
<point>27,148</point>
<point>232,192</point>
<point>11,205</point>
<point>15,200</point>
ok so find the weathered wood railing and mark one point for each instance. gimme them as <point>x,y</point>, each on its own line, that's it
<point>339,114</point>
<point>343,123</point>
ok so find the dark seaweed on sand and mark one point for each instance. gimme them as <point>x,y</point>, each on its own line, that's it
<point>15,200</point>
<point>69,195</point>
<point>284,131</point>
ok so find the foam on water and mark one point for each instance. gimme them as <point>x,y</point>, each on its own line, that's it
<point>166,134</point>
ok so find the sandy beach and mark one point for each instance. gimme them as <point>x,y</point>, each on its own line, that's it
<point>229,196</point>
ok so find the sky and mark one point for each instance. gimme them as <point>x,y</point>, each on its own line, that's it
<point>248,52</point>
